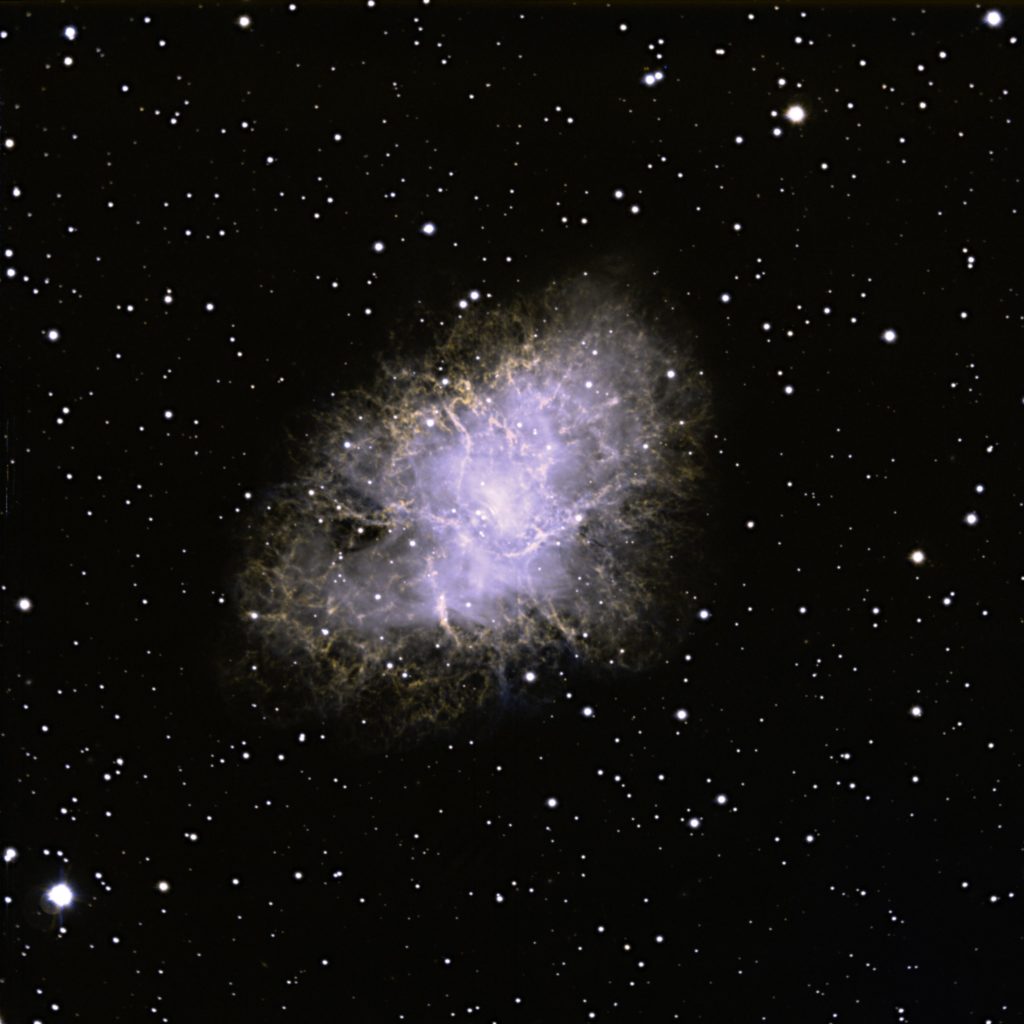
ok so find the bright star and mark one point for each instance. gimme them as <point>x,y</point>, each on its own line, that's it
<point>60,895</point>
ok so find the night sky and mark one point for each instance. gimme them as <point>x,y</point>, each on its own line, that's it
<point>214,223</point>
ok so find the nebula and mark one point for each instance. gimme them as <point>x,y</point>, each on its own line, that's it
<point>519,501</point>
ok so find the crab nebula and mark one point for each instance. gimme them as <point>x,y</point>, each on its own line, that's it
<point>521,502</point>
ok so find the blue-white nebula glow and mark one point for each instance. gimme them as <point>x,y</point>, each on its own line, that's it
<point>519,498</point>
<point>489,497</point>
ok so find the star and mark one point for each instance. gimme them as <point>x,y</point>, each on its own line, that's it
<point>60,895</point>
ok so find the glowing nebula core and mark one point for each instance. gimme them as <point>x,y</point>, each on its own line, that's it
<point>521,498</point>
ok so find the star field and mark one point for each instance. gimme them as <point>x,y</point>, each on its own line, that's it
<point>737,744</point>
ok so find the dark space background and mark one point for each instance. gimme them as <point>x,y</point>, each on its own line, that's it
<point>867,862</point>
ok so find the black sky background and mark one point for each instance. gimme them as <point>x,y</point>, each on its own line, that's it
<point>123,526</point>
